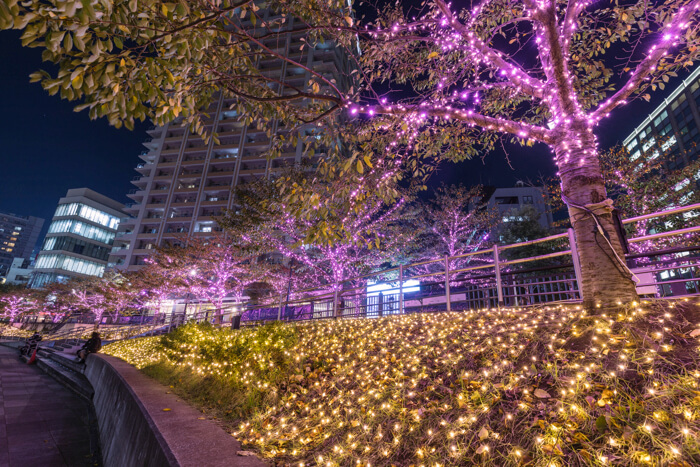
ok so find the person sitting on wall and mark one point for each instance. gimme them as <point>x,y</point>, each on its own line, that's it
<point>30,346</point>
<point>93,345</point>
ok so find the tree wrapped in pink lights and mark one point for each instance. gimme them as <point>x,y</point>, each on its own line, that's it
<point>214,270</point>
<point>15,305</point>
<point>456,221</point>
<point>372,234</point>
<point>538,72</point>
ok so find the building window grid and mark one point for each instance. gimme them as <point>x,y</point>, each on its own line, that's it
<point>70,264</point>
<point>78,246</point>
<point>82,229</point>
<point>89,213</point>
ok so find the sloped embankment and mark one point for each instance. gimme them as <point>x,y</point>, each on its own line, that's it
<point>536,386</point>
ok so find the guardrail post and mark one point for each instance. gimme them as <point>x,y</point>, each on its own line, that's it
<point>335,301</point>
<point>447,284</point>
<point>401,288</point>
<point>575,259</point>
<point>172,316</point>
<point>497,269</point>
<point>279,309</point>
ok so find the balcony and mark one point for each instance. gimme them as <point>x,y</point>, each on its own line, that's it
<point>194,160</point>
<point>215,202</point>
<point>184,202</point>
<point>167,163</point>
<point>187,189</point>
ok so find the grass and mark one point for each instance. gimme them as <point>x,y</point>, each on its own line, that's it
<point>541,386</point>
<point>11,331</point>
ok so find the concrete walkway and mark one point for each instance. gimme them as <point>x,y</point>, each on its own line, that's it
<point>41,422</point>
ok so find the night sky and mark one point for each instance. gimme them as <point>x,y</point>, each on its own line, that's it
<point>47,148</point>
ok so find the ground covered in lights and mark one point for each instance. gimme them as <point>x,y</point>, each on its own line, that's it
<point>538,386</point>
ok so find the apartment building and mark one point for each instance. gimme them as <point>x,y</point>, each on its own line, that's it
<point>18,236</point>
<point>79,239</point>
<point>184,183</point>
<point>673,128</point>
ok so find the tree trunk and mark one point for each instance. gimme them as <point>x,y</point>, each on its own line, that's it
<point>605,281</point>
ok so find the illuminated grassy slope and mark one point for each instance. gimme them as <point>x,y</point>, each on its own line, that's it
<point>522,387</point>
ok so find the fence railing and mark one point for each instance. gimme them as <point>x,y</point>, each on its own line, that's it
<point>545,270</point>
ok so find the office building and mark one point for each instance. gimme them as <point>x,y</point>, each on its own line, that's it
<point>510,203</point>
<point>18,236</point>
<point>673,128</point>
<point>79,239</point>
<point>185,183</point>
<point>19,272</point>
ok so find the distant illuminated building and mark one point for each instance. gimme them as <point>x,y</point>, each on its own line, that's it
<point>672,128</point>
<point>18,236</point>
<point>511,203</point>
<point>80,238</point>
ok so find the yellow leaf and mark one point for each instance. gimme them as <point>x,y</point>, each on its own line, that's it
<point>348,20</point>
<point>432,55</point>
<point>166,410</point>
<point>483,434</point>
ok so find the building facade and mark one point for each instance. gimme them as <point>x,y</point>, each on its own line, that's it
<point>19,272</point>
<point>673,128</point>
<point>18,236</point>
<point>79,239</point>
<point>510,203</point>
<point>185,184</point>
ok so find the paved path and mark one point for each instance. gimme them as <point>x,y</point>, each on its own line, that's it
<point>42,423</point>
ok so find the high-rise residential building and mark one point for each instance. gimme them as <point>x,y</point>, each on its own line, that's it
<point>184,183</point>
<point>672,128</point>
<point>79,239</point>
<point>18,236</point>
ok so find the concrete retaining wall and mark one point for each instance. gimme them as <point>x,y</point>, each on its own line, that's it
<point>135,430</point>
<point>128,434</point>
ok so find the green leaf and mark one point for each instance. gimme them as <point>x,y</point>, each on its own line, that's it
<point>601,424</point>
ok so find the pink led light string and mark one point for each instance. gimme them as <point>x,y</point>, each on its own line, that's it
<point>571,128</point>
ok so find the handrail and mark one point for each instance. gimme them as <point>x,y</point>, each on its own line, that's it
<point>533,242</point>
<point>678,210</point>
<point>670,233</point>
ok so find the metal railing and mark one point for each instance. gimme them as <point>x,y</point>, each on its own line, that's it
<point>538,271</point>
<point>506,275</point>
